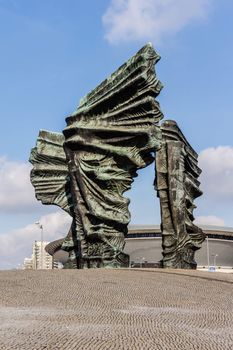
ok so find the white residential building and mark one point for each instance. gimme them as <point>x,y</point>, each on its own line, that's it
<point>40,258</point>
<point>27,264</point>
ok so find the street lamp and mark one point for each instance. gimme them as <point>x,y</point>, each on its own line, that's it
<point>215,256</point>
<point>208,251</point>
<point>41,243</point>
<point>142,261</point>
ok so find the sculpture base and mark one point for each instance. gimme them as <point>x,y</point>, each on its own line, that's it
<point>118,260</point>
<point>181,260</point>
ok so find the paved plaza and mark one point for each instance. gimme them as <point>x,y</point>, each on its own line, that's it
<point>116,309</point>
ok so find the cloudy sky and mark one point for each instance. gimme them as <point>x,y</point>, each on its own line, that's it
<point>55,51</point>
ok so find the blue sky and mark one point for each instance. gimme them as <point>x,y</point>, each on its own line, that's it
<point>54,51</point>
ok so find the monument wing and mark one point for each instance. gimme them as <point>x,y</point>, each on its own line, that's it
<point>49,175</point>
<point>177,184</point>
<point>111,135</point>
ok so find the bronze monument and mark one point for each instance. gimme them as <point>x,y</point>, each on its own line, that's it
<point>113,133</point>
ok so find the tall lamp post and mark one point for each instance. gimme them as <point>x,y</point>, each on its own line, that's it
<point>215,256</point>
<point>41,243</point>
<point>208,251</point>
<point>142,261</point>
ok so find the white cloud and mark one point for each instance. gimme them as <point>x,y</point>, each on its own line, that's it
<point>17,244</point>
<point>129,20</point>
<point>16,191</point>
<point>217,172</point>
<point>209,220</point>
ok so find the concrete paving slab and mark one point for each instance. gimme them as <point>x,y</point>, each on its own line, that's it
<point>116,309</point>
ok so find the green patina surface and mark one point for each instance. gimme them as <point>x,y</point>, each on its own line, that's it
<point>178,186</point>
<point>86,170</point>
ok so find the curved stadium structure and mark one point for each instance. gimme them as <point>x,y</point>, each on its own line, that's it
<point>143,244</point>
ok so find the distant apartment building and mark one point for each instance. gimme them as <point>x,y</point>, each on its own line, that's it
<point>27,264</point>
<point>41,260</point>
